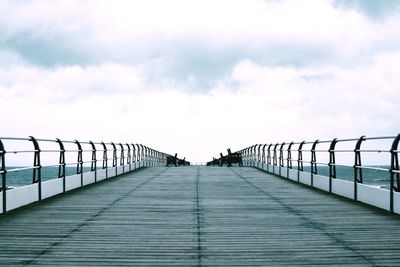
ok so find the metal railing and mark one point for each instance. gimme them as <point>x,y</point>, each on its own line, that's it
<point>111,155</point>
<point>273,154</point>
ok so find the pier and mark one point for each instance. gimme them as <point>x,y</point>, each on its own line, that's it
<point>199,216</point>
<point>138,212</point>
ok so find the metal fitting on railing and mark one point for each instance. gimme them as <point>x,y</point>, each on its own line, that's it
<point>289,156</point>
<point>129,158</point>
<point>269,154</point>
<point>138,153</point>
<point>281,162</point>
<point>358,178</point>
<point>37,167</point>
<point>79,166</point>
<point>114,161</point>
<point>300,165</point>
<point>122,157</point>
<point>93,163</point>
<point>332,163</point>
<point>275,160</point>
<point>105,159</point>
<point>313,162</point>
<point>133,153</point>
<point>61,162</point>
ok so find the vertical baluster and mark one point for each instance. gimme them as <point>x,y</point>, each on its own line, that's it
<point>313,162</point>
<point>115,158</point>
<point>61,162</point>
<point>281,160</point>
<point>358,177</point>
<point>269,157</point>
<point>332,163</point>
<point>93,163</point>
<point>122,158</point>
<point>300,165</point>
<point>37,167</point>
<point>129,158</point>
<point>105,159</point>
<point>289,159</point>
<point>79,164</point>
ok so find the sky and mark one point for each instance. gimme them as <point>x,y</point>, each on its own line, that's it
<point>195,77</point>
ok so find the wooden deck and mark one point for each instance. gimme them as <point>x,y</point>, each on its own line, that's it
<point>199,216</point>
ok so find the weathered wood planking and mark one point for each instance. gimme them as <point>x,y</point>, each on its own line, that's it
<point>199,216</point>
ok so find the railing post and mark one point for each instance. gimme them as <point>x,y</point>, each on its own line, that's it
<point>269,157</point>
<point>332,163</point>
<point>313,162</point>
<point>133,154</point>
<point>263,157</point>
<point>249,154</point>
<point>394,170</point>
<point>138,154</point>
<point>105,159</point>
<point>122,159</point>
<point>61,162</point>
<point>144,151</point>
<point>142,154</point>
<point>115,158</point>
<point>259,155</point>
<point>275,158</point>
<point>37,167</point>
<point>289,158</point>
<point>93,163</point>
<point>114,163</point>
<point>246,156</point>
<point>263,153</point>
<point>358,178</point>
<point>79,161</point>
<point>281,161</point>
<point>129,158</point>
<point>3,172</point>
<point>146,154</point>
<point>255,154</point>
<point>300,166</point>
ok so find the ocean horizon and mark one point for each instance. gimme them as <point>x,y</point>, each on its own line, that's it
<point>376,178</point>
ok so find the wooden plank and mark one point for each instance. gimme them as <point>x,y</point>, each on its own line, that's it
<point>199,216</point>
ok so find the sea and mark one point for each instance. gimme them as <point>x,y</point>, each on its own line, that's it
<point>24,177</point>
<point>376,178</point>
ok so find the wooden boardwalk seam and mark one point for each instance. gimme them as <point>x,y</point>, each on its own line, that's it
<point>199,216</point>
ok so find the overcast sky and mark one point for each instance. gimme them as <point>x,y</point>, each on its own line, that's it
<point>197,77</point>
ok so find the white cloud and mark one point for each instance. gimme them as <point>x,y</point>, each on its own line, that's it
<point>269,104</point>
<point>280,71</point>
